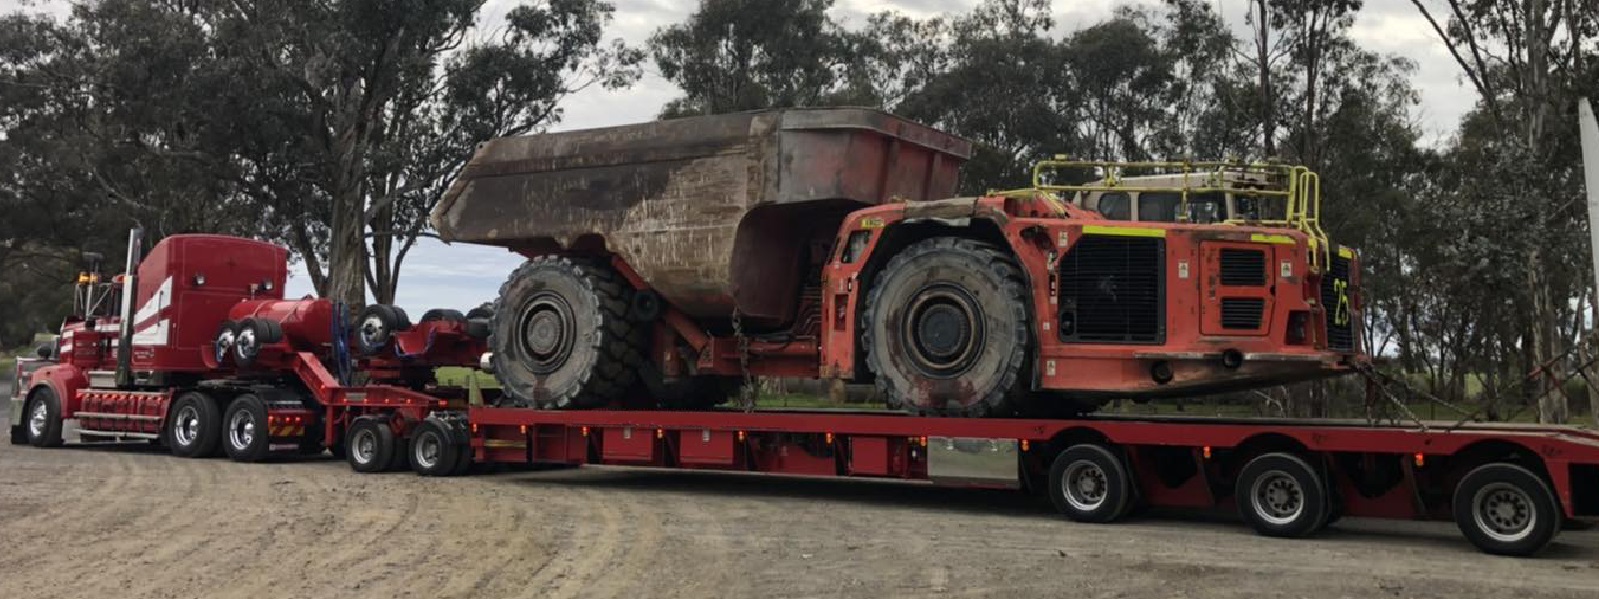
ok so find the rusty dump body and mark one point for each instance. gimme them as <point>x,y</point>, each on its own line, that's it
<point>706,209</point>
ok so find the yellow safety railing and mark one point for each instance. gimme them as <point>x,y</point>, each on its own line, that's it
<point>1297,185</point>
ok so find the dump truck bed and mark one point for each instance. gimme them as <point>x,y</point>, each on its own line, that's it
<point>673,197</point>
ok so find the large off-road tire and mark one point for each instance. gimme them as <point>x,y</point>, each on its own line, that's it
<point>194,428</point>
<point>561,337</point>
<point>946,329</point>
<point>41,418</point>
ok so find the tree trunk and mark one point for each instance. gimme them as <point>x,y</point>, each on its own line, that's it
<point>1263,56</point>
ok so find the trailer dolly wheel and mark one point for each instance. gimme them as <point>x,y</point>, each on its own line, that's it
<point>1505,509</point>
<point>248,438</point>
<point>369,445</point>
<point>1280,495</point>
<point>195,428</point>
<point>1088,483</point>
<point>376,325</point>
<point>433,452</point>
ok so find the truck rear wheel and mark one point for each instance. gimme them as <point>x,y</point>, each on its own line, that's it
<point>248,437</point>
<point>194,429</point>
<point>1505,509</point>
<point>1088,483</point>
<point>42,419</point>
<point>946,329</point>
<point>1280,495</point>
<point>561,337</point>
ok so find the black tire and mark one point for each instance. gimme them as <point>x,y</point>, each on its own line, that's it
<point>946,329</point>
<point>195,434</point>
<point>247,438</point>
<point>463,460</point>
<point>479,328</point>
<point>19,436</point>
<point>483,312</point>
<point>561,337</point>
<point>46,433</point>
<point>443,314</point>
<point>253,334</point>
<point>433,449</point>
<point>369,445</point>
<point>1089,483</point>
<point>1280,495</point>
<point>376,326</point>
<point>1505,509</point>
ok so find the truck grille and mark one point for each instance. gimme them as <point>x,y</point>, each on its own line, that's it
<point>1242,312</point>
<point>1335,297</point>
<point>1112,290</point>
<point>1243,268</point>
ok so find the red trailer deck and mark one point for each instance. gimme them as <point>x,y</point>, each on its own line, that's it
<point>1510,488</point>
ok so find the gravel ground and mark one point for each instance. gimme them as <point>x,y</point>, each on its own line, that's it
<point>130,521</point>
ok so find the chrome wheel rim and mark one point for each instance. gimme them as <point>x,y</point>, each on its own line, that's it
<point>39,419</point>
<point>244,345</point>
<point>427,450</point>
<point>1085,486</point>
<point>1278,498</point>
<point>373,332</point>
<point>186,428</point>
<point>364,447</point>
<point>1504,512</point>
<point>241,429</point>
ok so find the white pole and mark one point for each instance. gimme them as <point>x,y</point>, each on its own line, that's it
<point>1590,168</point>
<point>1589,129</point>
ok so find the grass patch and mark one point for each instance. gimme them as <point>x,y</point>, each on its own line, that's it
<point>460,376</point>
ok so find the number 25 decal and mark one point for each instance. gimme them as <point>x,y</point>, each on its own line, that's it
<point>1341,312</point>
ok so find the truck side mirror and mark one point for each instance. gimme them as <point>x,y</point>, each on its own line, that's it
<point>43,351</point>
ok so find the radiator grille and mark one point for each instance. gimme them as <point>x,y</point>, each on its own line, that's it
<point>1112,290</point>
<point>1243,268</point>
<point>1242,312</point>
<point>1335,296</point>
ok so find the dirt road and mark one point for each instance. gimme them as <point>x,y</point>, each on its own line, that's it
<point>132,522</point>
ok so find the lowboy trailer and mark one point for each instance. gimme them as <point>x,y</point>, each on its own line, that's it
<point>279,380</point>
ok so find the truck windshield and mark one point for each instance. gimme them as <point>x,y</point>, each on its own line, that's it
<point>1162,206</point>
<point>1116,205</point>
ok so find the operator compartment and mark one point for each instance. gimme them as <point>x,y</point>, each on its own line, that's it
<point>186,286</point>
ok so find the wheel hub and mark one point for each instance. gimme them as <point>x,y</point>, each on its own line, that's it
<point>547,332</point>
<point>1504,512</point>
<point>1278,498</point>
<point>39,418</point>
<point>241,429</point>
<point>188,427</point>
<point>427,451</point>
<point>373,333</point>
<point>1085,485</point>
<point>364,447</point>
<point>945,329</point>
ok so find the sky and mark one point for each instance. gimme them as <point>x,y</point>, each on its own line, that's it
<point>438,275</point>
